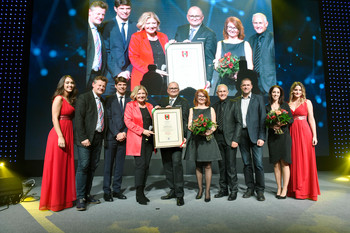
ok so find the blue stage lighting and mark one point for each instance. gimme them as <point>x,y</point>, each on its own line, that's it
<point>53,53</point>
<point>44,72</point>
<point>72,12</point>
<point>36,51</point>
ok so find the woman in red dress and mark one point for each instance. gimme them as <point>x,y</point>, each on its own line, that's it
<point>303,182</point>
<point>58,183</point>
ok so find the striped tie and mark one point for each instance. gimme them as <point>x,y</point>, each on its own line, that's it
<point>100,113</point>
<point>190,37</point>
<point>98,48</point>
<point>257,55</point>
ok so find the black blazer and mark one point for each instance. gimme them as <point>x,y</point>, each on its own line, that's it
<point>232,122</point>
<point>117,53</point>
<point>255,117</point>
<point>205,35</point>
<point>90,54</point>
<point>115,117</point>
<point>86,117</point>
<point>179,102</point>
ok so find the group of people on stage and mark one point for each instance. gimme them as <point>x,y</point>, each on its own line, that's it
<point>125,123</point>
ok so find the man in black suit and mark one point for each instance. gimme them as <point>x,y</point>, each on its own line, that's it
<point>115,143</point>
<point>263,47</point>
<point>252,138</point>
<point>227,135</point>
<point>196,31</point>
<point>171,157</point>
<point>96,51</point>
<point>90,125</point>
<point>116,34</point>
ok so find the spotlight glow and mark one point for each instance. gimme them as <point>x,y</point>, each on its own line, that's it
<point>2,164</point>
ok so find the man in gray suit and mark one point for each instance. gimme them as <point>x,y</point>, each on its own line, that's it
<point>196,31</point>
<point>252,139</point>
<point>116,34</point>
<point>263,47</point>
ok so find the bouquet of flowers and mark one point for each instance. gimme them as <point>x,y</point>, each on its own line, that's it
<point>278,117</point>
<point>227,65</point>
<point>201,125</point>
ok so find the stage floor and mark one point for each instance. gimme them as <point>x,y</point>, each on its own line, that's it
<point>329,214</point>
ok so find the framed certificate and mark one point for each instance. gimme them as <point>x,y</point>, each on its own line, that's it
<point>168,128</point>
<point>186,65</point>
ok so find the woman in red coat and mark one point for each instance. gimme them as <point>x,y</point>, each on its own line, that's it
<point>147,47</point>
<point>139,143</point>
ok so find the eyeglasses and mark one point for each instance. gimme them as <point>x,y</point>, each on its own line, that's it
<point>173,88</point>
<point>202,96</point>
<point>232,28</point>
<point>195,16</point>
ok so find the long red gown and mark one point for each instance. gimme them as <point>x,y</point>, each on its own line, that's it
<point>58,183</point>
<point>303,182</point>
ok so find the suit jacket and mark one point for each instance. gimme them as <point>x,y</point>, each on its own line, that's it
<point>141,55</point>
<point>232,121</point>
<point>255,117</point>
<point>86,118</point>
<point>205,35</point>
<point>179,102</point>
<point>133,120</point>
<point>117,53</point>
<point>90,54</point>
<point>115,117</point>
<point>267,66</point>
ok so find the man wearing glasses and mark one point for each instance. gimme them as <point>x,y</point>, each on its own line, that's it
<point>171,157</point>
<point>196,31</point>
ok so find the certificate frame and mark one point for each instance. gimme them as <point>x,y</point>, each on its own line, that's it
<point>168,127</point>
<point>186,64</point>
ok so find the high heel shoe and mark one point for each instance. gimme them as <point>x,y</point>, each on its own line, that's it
<point>282,197</point>
<point>207,199</point>
<point>199,194</point>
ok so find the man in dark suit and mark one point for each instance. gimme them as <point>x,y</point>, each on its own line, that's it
<point>90,125</point>
<point>196,31</point>
<point>116,34</point>
<point>115,141</point>
<point>252,138</point>
<point>96,51</point>
<point>227,135</point>
<point>263,47</point>
<point>171,157</point>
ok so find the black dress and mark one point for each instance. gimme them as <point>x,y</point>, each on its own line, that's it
<point>280,144</point>
<point>198,148</point>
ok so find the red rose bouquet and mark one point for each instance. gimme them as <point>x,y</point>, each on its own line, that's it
<point>227,65</point>
<point>278,117</point>
<point>201,125</point>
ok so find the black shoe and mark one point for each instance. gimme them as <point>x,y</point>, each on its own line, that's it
<point>260,196</point>
<point>170,195</point>
<point>180,201</point>
<point>199,195</point>
<point>91,200</point>
<point>207,199</point>
<point>119,195</point>
<point>248,193</point>
<point>140,196</point>
<point>232,196</point>
<point>277,196</point>
<point>221,194</point>
<point>282,197</point>
<point>81,205</point>
<point>108,197</point>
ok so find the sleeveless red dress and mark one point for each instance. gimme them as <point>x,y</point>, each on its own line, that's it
<point>303,182</point>
<point>58,183</point>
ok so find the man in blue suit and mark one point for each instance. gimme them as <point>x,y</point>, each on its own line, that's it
<point>115,143</point>
<point>116,34</point>
<point>252,139</point>
<point>196,31</point>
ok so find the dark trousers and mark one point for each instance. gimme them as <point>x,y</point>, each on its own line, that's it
<point>114,158</point>
<point>228,173</point>
<point>142,163</point>
<point>172,164</point>
<point>88,159</point>
<point>251,150</point>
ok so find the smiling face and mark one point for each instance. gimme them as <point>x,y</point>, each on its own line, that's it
<point>98,87</point>
<point>123,11</point>
<point>260,23</point>
<point>141,96</point>
<point>232,30</point>
<point>201,98</point>
<point>68,85</point>
<point>246,87</point>
<point>222,92</point>
<point>173,90</point>
<point>195,16</point>
<point>297,92</point>
<point>96,15</point>
<point>151,26</point>
<point>121,87</point>
<point>275,94</point>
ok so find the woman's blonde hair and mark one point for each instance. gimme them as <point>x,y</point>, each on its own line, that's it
<point>295,84</point>
<point>143,19</point>
<point>136,90</point>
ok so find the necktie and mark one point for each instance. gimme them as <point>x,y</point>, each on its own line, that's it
<point>122,31</point>
<point>221,116</point>
<point>257,55</point>
<point>171,101</point>
<point>190,37</point>
<point>121,103</point>
<point>98,47</point>
<point>100,113</point>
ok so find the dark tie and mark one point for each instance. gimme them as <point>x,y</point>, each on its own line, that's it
<point>123,33</point>
<point>257,55</point>
<point>221,115</point>
<point>121,103</point>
